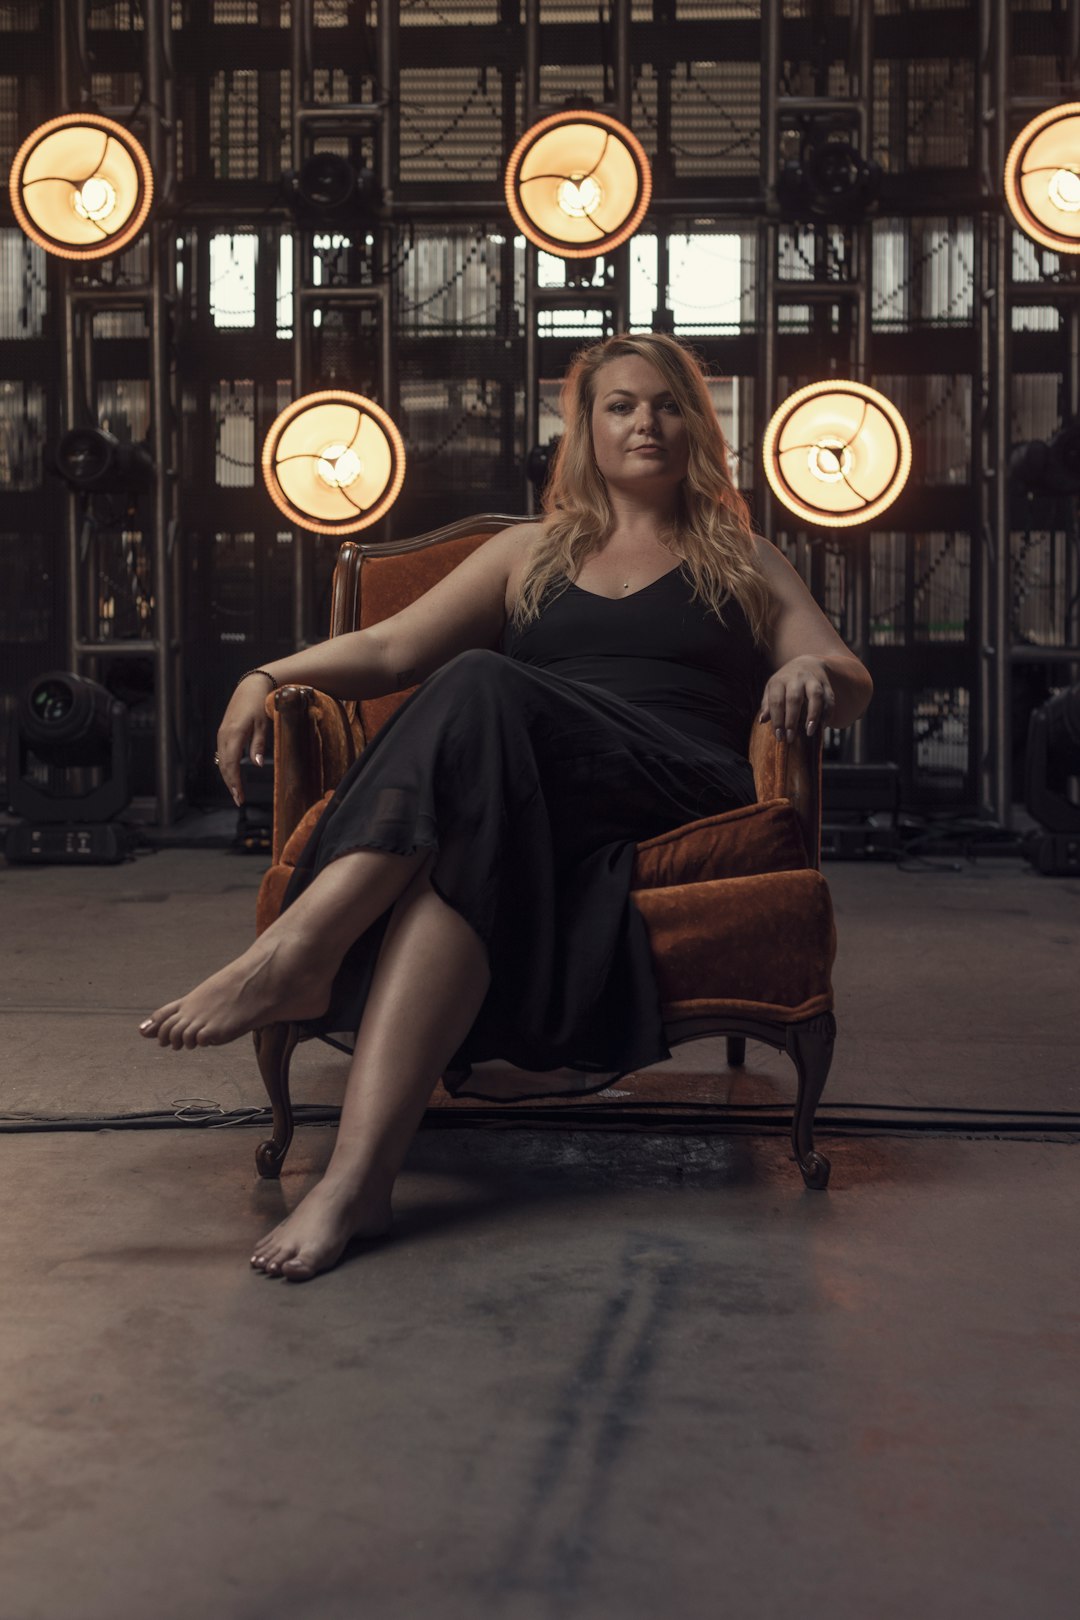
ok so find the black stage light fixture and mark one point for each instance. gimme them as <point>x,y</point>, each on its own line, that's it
<point>74,725</point>
<point>328,190</point>
<point>830,179</point>
<point>1049,466</point>
<point>89,459</point>
<point>1053,756</point>
<point>538,465</point>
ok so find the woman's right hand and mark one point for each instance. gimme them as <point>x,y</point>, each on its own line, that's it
<point>243,725</point>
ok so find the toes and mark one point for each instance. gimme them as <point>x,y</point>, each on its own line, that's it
<point>151,1027</point>
<point>166,1027</point>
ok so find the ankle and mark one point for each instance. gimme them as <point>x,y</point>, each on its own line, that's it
<point>357,1183</point>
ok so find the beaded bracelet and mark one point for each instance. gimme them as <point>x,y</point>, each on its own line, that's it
<point>265,672</point>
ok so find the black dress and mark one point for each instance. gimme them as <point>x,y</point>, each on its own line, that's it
<point>533,772</point>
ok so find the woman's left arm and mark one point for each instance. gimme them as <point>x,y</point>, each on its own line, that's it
<point>813,670</point>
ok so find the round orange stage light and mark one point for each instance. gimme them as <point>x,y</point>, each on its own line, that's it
<point>1042,178</point>
<point>578,184</point>
<point>837,453</point>
<point>81,186</point>
<point>334,462</point>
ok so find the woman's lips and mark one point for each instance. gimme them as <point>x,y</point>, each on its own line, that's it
<point>648,449</point>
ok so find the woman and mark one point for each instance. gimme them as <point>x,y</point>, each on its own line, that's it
<point>466,894</point>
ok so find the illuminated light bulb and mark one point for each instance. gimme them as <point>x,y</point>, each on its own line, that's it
<point>578,196</point>
<point>339,466</point>
<point>1064,189</point>
<point>830,460</point>
<point>95,200</point>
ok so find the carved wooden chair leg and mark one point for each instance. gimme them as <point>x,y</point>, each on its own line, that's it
<point>736,1051</point>
<point>274,1047</point>
<point>810,1046</point>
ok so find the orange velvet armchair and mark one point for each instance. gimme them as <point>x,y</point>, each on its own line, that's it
<point>739,917</point>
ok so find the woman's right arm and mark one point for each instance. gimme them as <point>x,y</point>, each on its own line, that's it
<point>346,666</point>
<point>465,609</point>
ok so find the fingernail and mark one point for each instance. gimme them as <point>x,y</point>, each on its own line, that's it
<point>779,734</point>
<point>146,1023</point>
<point>809,727</point>
<point>258,759</point>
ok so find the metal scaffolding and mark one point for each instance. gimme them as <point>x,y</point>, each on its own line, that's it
<point>850,296</point>
<point>309,121</point>
<point>85,297</point>
<point>1002,114</point>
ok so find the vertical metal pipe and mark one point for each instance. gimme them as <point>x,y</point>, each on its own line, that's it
<point>532,367</point>
<point>62,279</point>
<point>999,362</point>
<point>86,407</point>
<point>156,20</point>
<point>663,278</point>
<point>767,243</point>
<point>386,237</point>
<point>64,76</point>
<point>531,83</point>
<point>531,74</point>
<point>299,69</point>
<point>620,15</point>
<point>858,560</point>
<point>983,543</point>
<point>71,514</point>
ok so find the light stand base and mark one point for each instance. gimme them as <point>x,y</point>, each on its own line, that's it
<point>103,843</point>
<point>1055,854</point>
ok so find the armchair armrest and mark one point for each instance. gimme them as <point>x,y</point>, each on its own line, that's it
<point>784,770</point>
<point>314,746</point>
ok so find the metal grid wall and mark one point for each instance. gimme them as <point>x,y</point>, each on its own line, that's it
<point>457,278</point>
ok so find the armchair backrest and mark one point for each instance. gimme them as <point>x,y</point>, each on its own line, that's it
<point>373,582</point>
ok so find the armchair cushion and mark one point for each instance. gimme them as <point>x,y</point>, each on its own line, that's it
<point>763,945</point>
<point>733,843</point>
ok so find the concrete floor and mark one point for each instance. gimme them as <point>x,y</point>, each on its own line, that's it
<point>593,1374</point>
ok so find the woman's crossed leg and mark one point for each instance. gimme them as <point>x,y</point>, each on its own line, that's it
<point>430,981</point>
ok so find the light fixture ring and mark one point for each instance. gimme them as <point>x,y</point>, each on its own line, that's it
<point>837,453</point>
<point>578,183</point>
<point>48,180</point>
<point>1042,178</point>
<point>333,462</point>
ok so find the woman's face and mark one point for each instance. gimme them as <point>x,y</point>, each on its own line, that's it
<point>639,436</point>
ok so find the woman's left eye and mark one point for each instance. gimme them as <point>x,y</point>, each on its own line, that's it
<point>621,405</point>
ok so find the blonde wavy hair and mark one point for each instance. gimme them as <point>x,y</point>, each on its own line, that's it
<point>711,532</point>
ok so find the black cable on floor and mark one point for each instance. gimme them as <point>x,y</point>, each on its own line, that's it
<point>765,1118</point>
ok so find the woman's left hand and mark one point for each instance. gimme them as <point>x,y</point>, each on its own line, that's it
<point>803,680</point>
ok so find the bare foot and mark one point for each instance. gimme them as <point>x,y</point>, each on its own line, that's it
<point>275,981</point>
<point>314,1236</point>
